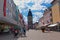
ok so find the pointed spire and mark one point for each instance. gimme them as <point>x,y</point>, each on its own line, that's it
<point>29,13</point>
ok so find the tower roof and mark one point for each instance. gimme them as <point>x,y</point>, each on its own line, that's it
<point>29,13</point>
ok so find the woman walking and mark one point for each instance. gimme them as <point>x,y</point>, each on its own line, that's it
<point>16,31</point>
<point>24,31</point>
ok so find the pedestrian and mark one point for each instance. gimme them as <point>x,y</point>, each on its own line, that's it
<point>21,31</point>
<point>24,31</point>
<point>11,29</point>
<point>43,29</point>
<point>16,31</point>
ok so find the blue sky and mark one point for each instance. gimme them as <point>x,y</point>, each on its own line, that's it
<point>37,7</point>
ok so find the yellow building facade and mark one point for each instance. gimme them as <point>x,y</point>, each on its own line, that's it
<point>56,11</point>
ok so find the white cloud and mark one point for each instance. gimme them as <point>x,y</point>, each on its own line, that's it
<point>43,7</point>
<point>20,10</point>
<point>35,19</point>
<point>38,7</point>
<point>23,4</point>
<point>25,19</point>
<point>27,1</point>
<point>39,14</point>
<point>38,1</point>
<point>36,16</point>
<point>16,2</point>
<point>48,1</point>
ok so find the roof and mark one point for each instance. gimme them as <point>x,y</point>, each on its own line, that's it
<point>29,13</point>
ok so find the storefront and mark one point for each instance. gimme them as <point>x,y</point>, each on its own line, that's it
<point>6,24</point>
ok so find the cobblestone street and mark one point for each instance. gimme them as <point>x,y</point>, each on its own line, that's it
<point>34,35</point>
<point>38,35</point>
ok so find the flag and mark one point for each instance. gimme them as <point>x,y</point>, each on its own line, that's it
<point>20,15</point>
<point>4,8</point>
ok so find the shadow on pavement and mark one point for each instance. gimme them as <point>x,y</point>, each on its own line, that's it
<point>7,36</point>
<point>47,32</point>
<point>23,36</point>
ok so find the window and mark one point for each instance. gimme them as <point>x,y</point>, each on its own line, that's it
<point>7,11</point>
<point>11,14</point>
<point>10,3</point>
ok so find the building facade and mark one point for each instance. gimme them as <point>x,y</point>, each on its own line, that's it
<point>8,13</point>
<point>41,22</point>
<point>52,14</point>
<point>56,11</point>
<point>35,25</point>
<point>48,16</point>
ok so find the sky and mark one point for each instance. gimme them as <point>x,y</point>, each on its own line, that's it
<point>37,7</point>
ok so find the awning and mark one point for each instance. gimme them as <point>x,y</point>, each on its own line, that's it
<point>52,25</point>
<point>7,20</point>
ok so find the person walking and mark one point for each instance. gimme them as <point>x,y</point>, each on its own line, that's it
<point>21,31</point>
<point>16,31</point>
<point>43,29</point>
<point>24,31</point>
